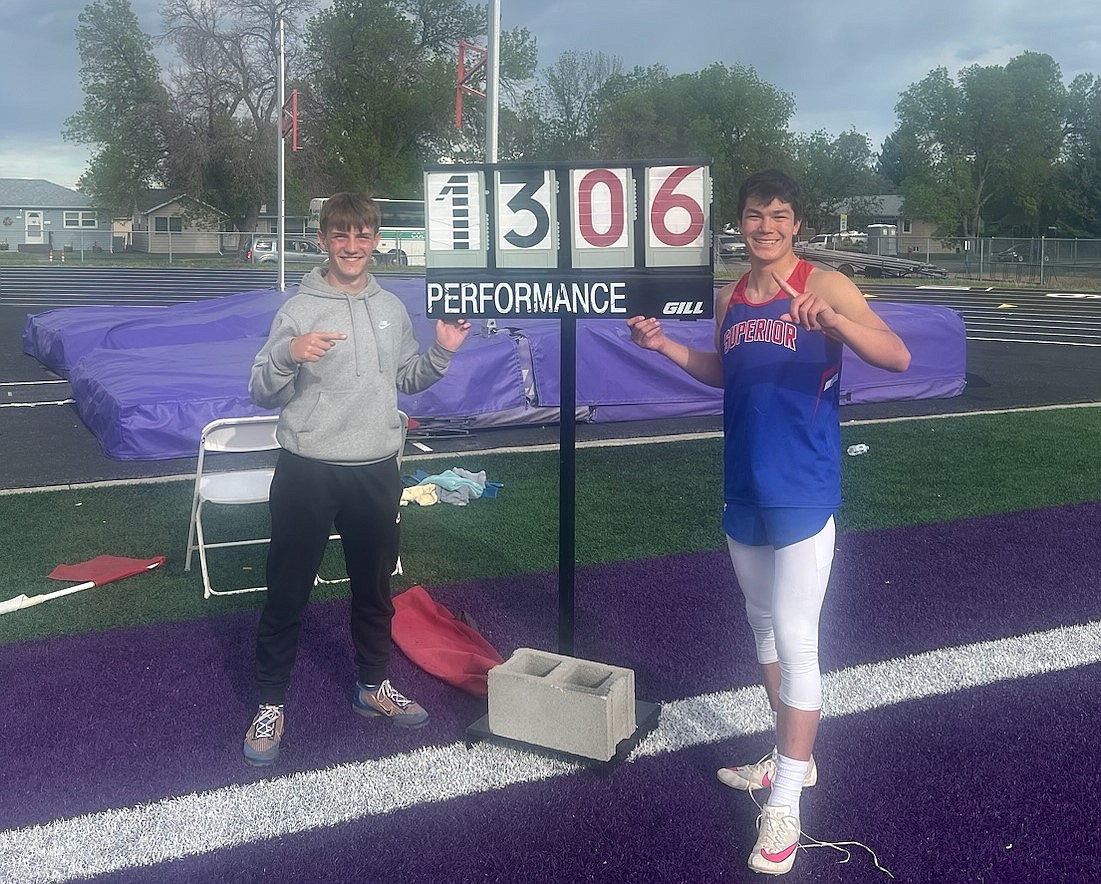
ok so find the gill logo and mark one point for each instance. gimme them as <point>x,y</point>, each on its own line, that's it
<point>683,308</point>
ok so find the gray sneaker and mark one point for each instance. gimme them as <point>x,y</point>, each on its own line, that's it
<point>385,700</point>
<point>264,736</point>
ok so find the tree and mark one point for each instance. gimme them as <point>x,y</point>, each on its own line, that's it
<point>725,114</point>
<point>631,122</point>
<point>832,171</point>
<point>1037,97</point>
<point>891,162</point>
<point>124,108</point>
<point>1079,174</point>
<point>381,92</point>
<point>985,147</point>
<point>928,148</point>
<point>567,104</point>
<point>226,97</point>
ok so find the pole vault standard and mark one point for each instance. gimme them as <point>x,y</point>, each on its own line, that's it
<point>569,241</point>
<point>288,128</point>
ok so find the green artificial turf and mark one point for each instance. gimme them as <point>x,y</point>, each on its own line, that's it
<point>632,502</point>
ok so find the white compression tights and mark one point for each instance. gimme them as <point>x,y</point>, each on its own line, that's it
<point>784,589</point>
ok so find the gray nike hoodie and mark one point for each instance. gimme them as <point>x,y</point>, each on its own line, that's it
<point>344,407</point>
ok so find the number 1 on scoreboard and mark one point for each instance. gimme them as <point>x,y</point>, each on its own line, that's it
<point>454,222</point>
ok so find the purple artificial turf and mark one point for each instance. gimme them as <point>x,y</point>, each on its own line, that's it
<point>967,787</point>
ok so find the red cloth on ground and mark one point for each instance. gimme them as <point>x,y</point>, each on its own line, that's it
<point>440,644</point>
<point>104,569</point>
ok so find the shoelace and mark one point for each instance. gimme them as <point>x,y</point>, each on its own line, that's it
<point>778,835</point>
<point>266,721</point>
<point>752,764</point>
<point>396,698</point>
<point>763,762</point>
<point>840,846</point>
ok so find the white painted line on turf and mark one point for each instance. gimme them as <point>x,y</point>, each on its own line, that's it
<point>952,414</point>
<point>553,446</point>
<point>199,823</point>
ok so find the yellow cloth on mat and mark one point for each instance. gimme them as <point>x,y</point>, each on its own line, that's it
<point>422,495</point>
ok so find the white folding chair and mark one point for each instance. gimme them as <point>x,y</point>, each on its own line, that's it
<point>231,435</point>
<point>335,536</point>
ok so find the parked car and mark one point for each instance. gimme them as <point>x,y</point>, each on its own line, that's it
<point>731,247</point>
<point>850,241</point>
<point>1014,253</point>
<point>297,250</point>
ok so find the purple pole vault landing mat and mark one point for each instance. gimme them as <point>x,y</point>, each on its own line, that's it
<point>146,384</point>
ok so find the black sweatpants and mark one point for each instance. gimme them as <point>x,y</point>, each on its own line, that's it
<point>307,499</point>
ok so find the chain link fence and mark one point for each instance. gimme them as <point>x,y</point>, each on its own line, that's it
<point>1039,261</point>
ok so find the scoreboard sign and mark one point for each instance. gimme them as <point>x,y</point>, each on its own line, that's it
<point>556,240</point>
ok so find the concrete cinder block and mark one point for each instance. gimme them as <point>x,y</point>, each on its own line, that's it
<point>564,703</point>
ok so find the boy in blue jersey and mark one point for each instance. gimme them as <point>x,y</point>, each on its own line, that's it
<point>778,341</point>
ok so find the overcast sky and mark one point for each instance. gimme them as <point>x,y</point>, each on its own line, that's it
<point>845,63</point>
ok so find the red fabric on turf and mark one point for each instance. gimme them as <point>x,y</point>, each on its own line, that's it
<point>104,569</point>
<point>440,644</point>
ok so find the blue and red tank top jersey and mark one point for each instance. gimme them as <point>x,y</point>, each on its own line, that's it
<point>781,405</point>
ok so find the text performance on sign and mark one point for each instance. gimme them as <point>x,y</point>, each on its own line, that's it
<point>554,240</point>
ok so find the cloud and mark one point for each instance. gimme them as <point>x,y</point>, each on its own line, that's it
<point>48,158</point>
<point>844,63</point>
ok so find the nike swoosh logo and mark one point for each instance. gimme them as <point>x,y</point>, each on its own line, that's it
<point>781,856</point>
<point>384,324</point>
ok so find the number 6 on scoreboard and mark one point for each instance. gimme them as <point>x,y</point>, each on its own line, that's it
<point>678,216</point>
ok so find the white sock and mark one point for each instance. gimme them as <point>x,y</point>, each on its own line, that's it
<point>787,786</point>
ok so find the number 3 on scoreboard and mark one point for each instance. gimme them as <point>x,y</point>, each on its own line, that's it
<point>527,218</point>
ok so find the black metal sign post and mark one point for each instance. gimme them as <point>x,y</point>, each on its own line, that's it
<point>567,483</point>
<point>563,241</point>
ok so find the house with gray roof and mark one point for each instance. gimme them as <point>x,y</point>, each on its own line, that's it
<point>37,215</point>
<point>170,222</point>
<point>886,209</point>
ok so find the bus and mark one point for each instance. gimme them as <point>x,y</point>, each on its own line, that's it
<point>402,241</point>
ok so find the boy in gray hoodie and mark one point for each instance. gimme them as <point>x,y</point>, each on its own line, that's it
<point>337,354</point>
